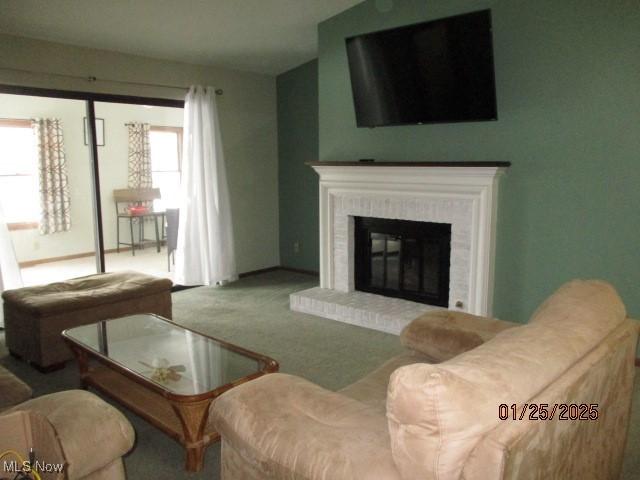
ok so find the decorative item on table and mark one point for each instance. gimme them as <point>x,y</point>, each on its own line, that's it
<point>162,372</point>
<point>138,209</point>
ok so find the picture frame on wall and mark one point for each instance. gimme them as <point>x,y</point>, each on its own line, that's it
<point>99,131</point>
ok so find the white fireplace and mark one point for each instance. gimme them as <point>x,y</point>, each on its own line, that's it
<point>463,195</point>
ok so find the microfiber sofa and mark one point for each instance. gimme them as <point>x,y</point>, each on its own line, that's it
<point>434,412</point>
<point>75,428</point>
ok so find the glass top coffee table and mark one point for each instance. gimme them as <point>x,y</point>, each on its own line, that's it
<point>166,373</point>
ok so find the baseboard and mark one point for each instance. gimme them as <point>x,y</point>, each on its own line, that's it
<point>33,263</point>
<point>177,288</point>
<point>258,272</point>
<point>273,269</point>
<point>300,270</point>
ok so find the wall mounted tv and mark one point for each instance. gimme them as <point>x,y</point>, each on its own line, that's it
<point>433,72</point>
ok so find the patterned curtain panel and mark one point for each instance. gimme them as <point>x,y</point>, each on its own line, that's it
<point>139,156</point>
<point>52,171</point>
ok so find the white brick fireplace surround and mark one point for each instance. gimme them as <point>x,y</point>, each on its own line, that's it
<point>461,194</point>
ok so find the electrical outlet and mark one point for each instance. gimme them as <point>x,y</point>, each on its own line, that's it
<point>296,247</point>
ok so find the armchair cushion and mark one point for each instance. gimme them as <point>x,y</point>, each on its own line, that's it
<point>92,433</point>
<point>444,334</point>
<point>372,388</point>
<point>290,428</point>
<point>12,390</point>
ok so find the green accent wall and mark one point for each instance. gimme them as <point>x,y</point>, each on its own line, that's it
<point>568,86</point>
<point>297,92</point>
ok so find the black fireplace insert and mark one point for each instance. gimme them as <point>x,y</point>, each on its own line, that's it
<point>403,258</point>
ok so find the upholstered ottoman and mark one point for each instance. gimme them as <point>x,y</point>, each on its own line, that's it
<point>35,316</point>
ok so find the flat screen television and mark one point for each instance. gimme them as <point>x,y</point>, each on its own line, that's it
<point>433,72</point>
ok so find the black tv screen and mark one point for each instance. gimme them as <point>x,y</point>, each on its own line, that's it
<point>434,72</point>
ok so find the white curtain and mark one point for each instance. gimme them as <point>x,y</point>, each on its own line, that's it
<point>205,253</point>
<point>9,269</point>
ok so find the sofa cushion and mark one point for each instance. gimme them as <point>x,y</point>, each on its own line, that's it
<point>372,388</point>
<point>443,334</point>
<point>290,428</point>
<point>84,292</point>
<point>12,390</point>
<point>438,413</point>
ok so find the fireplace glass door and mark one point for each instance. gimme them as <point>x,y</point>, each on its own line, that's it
<point>403,258</point>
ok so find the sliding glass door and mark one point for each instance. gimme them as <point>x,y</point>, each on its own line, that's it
<point>139,151</point>
<point>46,187</point>
<point>63,177</point>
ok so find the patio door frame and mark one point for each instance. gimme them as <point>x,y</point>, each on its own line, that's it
<point>90,98</point>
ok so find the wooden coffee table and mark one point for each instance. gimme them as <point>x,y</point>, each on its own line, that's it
<point>165,373</point>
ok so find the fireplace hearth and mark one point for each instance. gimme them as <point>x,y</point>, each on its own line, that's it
<point>382,277</point>
<point>403,259</point>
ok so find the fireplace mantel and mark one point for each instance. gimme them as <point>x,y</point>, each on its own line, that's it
<point>461,194</point>
<point>410,164</point>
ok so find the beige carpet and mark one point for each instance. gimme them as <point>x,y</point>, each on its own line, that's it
<point>254,313</point>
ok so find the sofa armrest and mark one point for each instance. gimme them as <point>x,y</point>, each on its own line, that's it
<point>444,334</point>
<point>91,432</point>
<point>26,430</point>
<point>288,427</point>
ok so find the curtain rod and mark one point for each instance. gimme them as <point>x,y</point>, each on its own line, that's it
<point>151,126</point>
<point>92,79</point>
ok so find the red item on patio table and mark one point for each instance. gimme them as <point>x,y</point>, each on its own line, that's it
<point>138,210</point>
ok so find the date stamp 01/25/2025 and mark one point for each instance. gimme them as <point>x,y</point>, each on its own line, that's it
<point>544,411</point>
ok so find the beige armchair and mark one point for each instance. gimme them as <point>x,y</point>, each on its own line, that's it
<point>74,428</point>
<point>415,418</point>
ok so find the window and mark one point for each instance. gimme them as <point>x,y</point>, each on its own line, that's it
<point>19,195</point>
<point>166,149</point>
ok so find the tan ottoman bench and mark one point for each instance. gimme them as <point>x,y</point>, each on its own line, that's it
<point>35,316</point>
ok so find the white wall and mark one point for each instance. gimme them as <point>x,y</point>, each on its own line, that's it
<point>247,114</point>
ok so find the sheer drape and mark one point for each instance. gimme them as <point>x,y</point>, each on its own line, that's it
<point>9,269</point>
<point>205,253</point>
<point>55,214</point>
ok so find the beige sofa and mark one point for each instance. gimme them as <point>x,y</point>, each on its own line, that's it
<point>434,413</point>
<point>75,428</point>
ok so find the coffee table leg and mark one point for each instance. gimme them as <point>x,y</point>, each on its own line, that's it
<point>193,417</point>
<point>83,363</point>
